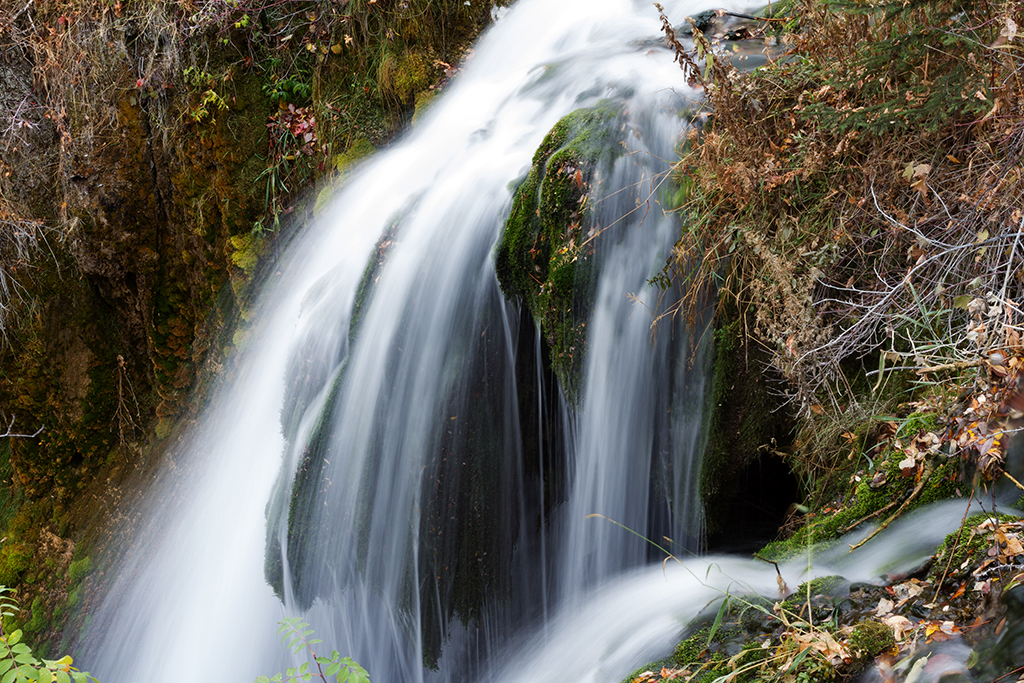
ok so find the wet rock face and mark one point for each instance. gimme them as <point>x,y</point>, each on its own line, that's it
<point>759,495</point>
<point>745,487</point>
<point>131,206</point>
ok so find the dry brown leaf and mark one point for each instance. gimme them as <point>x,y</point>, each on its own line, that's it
<point>901,626</point>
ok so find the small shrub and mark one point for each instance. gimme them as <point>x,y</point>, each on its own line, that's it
<point>18,663</point>
<point>295,637</point>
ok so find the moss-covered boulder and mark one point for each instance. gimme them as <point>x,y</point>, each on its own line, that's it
<point>543,259</point>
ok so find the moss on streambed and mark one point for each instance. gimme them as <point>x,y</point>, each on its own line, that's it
<point>875,494</point>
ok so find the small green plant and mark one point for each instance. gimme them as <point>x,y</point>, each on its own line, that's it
<point>18,664</point>
<point>296,88</point>
<point>209,104</point>
<point>202,82</point>
<point>295,635</point>
<point>197,78</point>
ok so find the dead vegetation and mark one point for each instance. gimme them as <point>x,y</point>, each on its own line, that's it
<point>859,196</point>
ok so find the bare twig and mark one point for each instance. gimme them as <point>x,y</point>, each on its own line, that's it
<point>959,531</point>
<point>867,517</point>
<point>1015,482</point>
<point>10,434</point>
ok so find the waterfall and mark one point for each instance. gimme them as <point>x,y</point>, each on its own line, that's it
<point>393,459</point>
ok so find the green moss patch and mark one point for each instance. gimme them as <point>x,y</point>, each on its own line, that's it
<point>871,638</point>
<point>874,495</point>
<point>543,258</point>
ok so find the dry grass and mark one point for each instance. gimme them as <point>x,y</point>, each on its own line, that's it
<point>860,195</point>
<point>82,71</point>
<point>21,241</point>
<point>69,64</point>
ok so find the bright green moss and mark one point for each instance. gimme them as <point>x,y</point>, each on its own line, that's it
<point>967,546</point>
<point>871,638</point>
<point>15,559</point>
<point>359,149</point>
<point>37,622</point>
<point>864,502</point>
<point>79,569</point>
<point>691,649</point>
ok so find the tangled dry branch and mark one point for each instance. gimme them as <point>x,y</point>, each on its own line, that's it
<point>860,197</point>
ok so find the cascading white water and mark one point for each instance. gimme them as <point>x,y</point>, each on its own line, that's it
<point>404,505</point>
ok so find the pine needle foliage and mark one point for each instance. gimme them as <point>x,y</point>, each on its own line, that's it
<point>925,66</point>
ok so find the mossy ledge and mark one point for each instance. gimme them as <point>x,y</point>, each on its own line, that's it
<point>543,258</point>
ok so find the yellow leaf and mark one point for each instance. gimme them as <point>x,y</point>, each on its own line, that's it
<point>336,49</point>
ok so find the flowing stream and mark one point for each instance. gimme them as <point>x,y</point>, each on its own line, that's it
<point>392,460</point>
